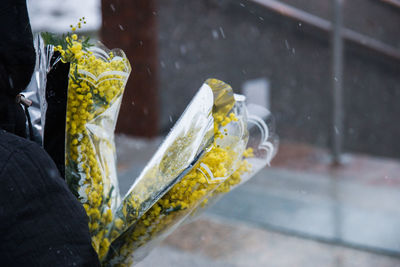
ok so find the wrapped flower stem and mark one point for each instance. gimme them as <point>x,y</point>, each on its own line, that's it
<point>210,171</point>
<point>191,136</point>
<point>95,90</point>
<point>96,81</point>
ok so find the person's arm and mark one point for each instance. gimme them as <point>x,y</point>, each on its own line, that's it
<point>41,221</point>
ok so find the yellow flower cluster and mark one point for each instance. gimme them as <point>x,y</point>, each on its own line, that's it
<point>181,199</point>
<point>163,172</point>
<point>73,52</point>
<point>154,181</point>
<point>79,25</point>
<point>235,177</point>
<point>90,173</point>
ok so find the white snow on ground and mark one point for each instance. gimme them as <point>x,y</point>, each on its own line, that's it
<point>57,15</point>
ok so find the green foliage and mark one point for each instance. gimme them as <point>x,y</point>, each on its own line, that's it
<point>56,40</point>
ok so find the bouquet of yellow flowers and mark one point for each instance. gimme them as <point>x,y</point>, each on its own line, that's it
<point>202,150</point>
<point>242,144</point>
<point>218,143</point>
<point>96,82</point>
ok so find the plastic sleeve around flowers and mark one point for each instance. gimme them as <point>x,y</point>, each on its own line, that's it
<point>188,140</point>
<point>36,90</point>
<point>209,172</point>
<point>261,148</point>
<point>95,89</point>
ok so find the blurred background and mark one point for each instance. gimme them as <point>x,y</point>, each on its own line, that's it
<point>329,71</point>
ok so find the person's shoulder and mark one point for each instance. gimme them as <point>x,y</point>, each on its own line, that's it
<point>34,197</point>
<point>15,149</point>
<point>10,144</point>
<point>10,141</point>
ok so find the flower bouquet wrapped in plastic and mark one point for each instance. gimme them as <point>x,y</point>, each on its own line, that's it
<point>96,82</point>
<point>95,89</point>
<point>193,140</point>
<point>218,167</point>
<point>206,154</point>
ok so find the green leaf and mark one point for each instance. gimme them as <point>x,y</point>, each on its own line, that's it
<point>55,40</point>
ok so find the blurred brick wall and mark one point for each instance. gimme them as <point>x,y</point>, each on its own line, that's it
<point>132,26</point>
<point>237,41</point>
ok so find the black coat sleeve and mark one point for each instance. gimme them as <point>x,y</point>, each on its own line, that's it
<point>41,222</point>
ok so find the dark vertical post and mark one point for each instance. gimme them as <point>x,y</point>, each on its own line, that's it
<point>131,26</point>
<point>337,81</point>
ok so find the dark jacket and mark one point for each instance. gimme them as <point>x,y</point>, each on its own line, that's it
<point>17,60</point>
<point>41,222</point>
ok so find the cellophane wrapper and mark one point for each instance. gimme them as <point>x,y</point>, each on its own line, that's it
<point>261,148</point>
<point>36,89</point>
<point>95,89</point>
<point>225,141</point>
<point>191,136</point>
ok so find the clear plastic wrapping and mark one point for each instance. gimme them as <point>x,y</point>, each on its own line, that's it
<point>36,90</point>
<point>217,162</point>
<point>95,89</point>
<point>261,148</point>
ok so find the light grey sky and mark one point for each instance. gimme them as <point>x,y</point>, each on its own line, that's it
<point>57,15</point>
